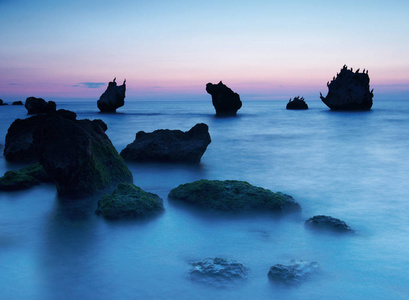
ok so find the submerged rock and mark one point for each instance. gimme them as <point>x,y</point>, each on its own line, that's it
<point>78,155</point>
<point>112,98</point>
<point>232,196</point>
<point>328,223</point>
<point>293,274</point>
<point>39,106</point>
<point>17,180</point>
<point>218,271</point>
<point>17,103</point>
<point>349,91</point>
<point>225,101</point>
<point>297,103</point>
<point>169,145</point>
<point>129,201</point>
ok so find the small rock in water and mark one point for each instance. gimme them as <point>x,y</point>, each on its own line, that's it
<point>328,223</point>
<point>16,180</point>
<point>39,106</point>
<point>225,101</point>
<point>218,271</point>
<point>297,103</point>
<point>113,97</point>
<point>293,274</point>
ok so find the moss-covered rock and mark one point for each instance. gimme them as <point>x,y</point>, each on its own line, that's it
<point>37,171</point>
<point>17,180</point>
<point>232,196</point>
<point>129,201</point>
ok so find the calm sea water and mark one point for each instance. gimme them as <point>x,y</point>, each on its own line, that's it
<point>349,165</point>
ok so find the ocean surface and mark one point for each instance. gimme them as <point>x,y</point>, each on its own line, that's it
<point>349,165</point>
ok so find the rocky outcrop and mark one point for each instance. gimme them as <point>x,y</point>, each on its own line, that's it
<point>293,274</point>
<point>17,103</point>
<point>17,180</point>
<point>112,98</point>
<point>225,101</point>
<point>79,155</point>
<point>218,271</point>
<point>2,103</point>
<point>19,145</point>
<point>129,201</point>
<point>349,91</point>
<point>328,223</point>
<point>39,106</point>
<point>169,145</point>
<point>297,103</point>
<point>232,196</point>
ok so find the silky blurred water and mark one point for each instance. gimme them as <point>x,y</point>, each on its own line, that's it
<point>349,165</point>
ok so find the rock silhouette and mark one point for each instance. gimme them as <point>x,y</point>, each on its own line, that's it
<point>39,106</point>
<point>113,97</point>
<point>169,145</point>
<point>349,91</point>
<point>2,103</point>
<point>17,103</point>
<point>225,101</point>
<point>297,103</point>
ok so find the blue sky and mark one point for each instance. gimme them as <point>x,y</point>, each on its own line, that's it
<point>261,49</point>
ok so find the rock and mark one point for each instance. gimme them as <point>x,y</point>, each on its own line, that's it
<point>218,271</point>
<point>112,98</point>
<point>2,103</point>
<point>78,155</point>
<point>232,196</point>
<point>19,145</point>
<point>17,180</point>
<point>225,101</point>
<point>17,103</point>
<point>349,91</point>
<point>297,103</point>
<point>37,171</point>
<point>39,106</point>
<point>328,223</point>
<point>129,201</point>
<point>169,145</point>
<point>293,274</point>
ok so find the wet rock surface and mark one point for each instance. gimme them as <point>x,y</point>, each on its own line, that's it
<point>322,222</point>
<point>225,101</point>
<point>39,106</point>
<point>169,145</point>
<point>218,271</point>
<point>232,196</point>
<point>349,91</point>
<point>17,180</point>
<point>129,201</point>
<point>295,273</point>
<point>297,103</point>
<point>113,97</point>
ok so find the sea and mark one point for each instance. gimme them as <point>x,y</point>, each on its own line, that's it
<point>353,166</point>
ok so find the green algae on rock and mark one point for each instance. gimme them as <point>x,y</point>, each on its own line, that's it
<point>17,180</point>
<point>129,201</point>
<point>232,196</point>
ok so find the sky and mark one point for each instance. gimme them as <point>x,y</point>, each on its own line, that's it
<point>169,50</point>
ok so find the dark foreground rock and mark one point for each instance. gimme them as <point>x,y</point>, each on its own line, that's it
<point>297,103</point>
<point>112,98</point>
<point>19,145</point>
<point>79,155</point>
<point>232,196</point>
<point>328,223</point>
<point>349,91</point>
<point>293,274</point>
<point>218,271</point>
<point>17,103</point>
<point>39,106</point>
<point>129,201</point>
<point>24,178</point>
<point>225,101</point>
<point>169,145</point>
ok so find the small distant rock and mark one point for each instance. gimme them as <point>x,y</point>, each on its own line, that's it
<point>2,103</point>
<point>293,274</point>
<point>129,201</point>
<point>113,97</point>
<point>17,103</point>
<point>225,101</point>
<point>232,196</point>
<point>297,103</point>
<point>169,145</point>
<point>328,223</point>
<point>349,91</point>
<point>17,180</point>
<point>218,271</point>
<point>39,106</point>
